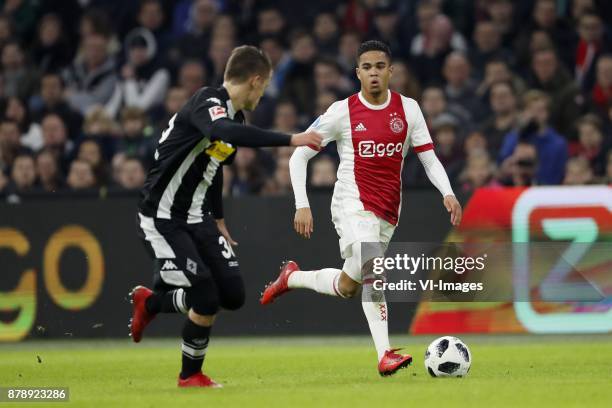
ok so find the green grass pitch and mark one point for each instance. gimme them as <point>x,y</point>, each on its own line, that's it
<point>513,371</point>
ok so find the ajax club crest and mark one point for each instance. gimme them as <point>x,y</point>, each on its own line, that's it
<point>396,123</point>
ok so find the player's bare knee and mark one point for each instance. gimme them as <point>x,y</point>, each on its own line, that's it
<point>201,320</point>
<point>349,292</point>
<point>347,286</point>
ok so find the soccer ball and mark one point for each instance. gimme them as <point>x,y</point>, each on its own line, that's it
<point>448,357</point>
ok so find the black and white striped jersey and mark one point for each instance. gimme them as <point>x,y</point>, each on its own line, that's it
<point>188,157</point>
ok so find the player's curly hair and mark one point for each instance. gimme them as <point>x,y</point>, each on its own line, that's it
<point>374,45</point>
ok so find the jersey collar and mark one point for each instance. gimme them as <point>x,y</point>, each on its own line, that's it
<point>375,107</point>
<point>231,111</point>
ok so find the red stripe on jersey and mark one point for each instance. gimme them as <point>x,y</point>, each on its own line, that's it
<point>423,148</point>
<point>378,140</point>
<point>313,147</point>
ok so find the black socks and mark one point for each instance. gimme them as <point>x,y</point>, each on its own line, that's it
<point>174,301</point>
<point>195,343</point>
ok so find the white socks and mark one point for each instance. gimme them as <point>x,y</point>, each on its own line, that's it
<point>374,305</point>
<point>375,309</point>
<point>323,281</point>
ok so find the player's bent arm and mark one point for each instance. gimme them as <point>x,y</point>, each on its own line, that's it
<point>327,126</point>
<point>298,165</point>
<point>435,172</point>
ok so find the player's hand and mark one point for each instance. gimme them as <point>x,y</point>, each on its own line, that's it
<point>310,138</point>
<point>454,208</point>
<point>224,231</point>
<point>303,222</point>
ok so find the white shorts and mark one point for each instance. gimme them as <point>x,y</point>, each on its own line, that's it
<point>355,227</point>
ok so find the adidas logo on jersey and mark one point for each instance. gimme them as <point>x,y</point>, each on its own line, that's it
<point>360,128</point>
<point>168,265</point>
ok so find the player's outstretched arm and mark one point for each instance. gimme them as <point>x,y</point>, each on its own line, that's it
<point>438,177</point>
<point>252,136</point>
<point>302,222</point>
<point>212,120</point>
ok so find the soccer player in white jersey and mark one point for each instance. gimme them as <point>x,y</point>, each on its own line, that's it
<point>374,130</point>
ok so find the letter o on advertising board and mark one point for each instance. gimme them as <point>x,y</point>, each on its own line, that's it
<point>78,237</point>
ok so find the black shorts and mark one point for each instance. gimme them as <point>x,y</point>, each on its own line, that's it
<point>186,254</point>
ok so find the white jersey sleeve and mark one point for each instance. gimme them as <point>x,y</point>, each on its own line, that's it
<point>435,172</point>
<point>418,134</point>
<point>327,126</point>
<point>328,123</point>
<point>420,140</point>
<point>297,170</point>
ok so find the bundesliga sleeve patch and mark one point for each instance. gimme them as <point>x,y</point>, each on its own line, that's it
<point>217,112</point>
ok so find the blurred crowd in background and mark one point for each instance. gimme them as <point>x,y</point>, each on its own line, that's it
<point>514,92</point>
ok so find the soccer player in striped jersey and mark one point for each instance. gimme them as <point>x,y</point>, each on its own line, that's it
<point>181,214</point>
<point>374,130</point>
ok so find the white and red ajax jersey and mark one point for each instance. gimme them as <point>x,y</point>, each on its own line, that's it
<point>372,142</point>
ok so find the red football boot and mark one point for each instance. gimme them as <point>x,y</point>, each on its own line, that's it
<point>280,285</point>
<point>198,380</point>
<point>392,362</point>
<point>140,317</point>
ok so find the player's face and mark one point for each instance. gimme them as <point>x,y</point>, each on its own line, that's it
<point>374,70</point>
<point>258,86</point>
